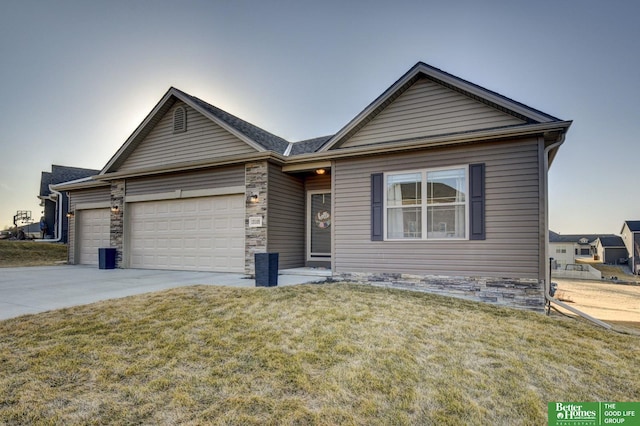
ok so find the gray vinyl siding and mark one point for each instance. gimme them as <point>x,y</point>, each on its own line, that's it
<point>511,248</point>
<point>203,179</point>
<point>318,183</point>
<point>285,220</point>
<point>96,195</point>
<point>203,140</point>
<point>428,109</point>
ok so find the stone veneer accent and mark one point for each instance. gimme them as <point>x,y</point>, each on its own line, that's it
<point>255,239</point>
<point>117,218</point>
<point>516,293</point>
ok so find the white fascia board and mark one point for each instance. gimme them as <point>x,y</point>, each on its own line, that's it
<point>88,182</point>
<point>196,165</point>
<point>519,131</point>
<point>288,150</point>
<point>314,165</point>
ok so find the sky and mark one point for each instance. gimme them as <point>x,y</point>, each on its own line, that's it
<point>78,77</point>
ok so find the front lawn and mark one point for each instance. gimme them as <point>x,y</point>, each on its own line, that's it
<point>28,253</point>
<point>309,354</point>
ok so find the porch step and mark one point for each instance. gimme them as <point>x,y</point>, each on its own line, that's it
<point>312,272</point>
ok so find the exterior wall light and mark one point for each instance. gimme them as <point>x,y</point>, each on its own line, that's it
<point>321,171</point>
<point>71,214</point>
<point>254,198</point>
<point>115,209</point>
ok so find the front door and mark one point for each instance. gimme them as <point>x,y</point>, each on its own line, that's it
<point>319,226</point>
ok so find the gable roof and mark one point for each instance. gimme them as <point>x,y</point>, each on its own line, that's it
<point>611,241</point>
<point>259,139</point>
<point>60,174</point>
<point>526,121</point>
<point>421,70</point>
<point>575,238</point>
<point>307,146</point>
<point>634,225</point>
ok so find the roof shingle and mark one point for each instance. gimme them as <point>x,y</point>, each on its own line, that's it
<point>268,140</point>
<point>60,174</point>
<point>634,225</point>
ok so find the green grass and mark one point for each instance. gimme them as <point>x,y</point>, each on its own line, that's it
<point>312,354</point>
<point>26,253</point>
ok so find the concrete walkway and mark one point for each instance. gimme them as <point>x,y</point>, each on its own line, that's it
<point>44,288</point>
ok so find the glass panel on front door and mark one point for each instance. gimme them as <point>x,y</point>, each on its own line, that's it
<point>320,224</point>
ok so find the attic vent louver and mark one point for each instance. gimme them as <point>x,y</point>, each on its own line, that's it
<point>179,120</point>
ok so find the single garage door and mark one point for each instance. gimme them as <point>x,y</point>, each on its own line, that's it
<point>93,233</point>
<point>192,234</point>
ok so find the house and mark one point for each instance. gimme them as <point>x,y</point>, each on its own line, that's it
<point>438,184</point>
<point>30,231</point>
<point>567,249</point>
<point>55,204</point>
<point>611,249</point>
<point>631,237</point>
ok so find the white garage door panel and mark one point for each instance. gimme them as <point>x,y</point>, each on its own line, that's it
<point>93,233</point>
<point>201,234</point>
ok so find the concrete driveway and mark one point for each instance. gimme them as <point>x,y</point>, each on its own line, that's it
<point>39,289</point>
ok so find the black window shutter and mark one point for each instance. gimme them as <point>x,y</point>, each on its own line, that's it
<point>476,202</point>
<point>377,192</point>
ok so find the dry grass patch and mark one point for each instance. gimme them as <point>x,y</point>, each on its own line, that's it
<point>26,253</point>
<point>330,354</point>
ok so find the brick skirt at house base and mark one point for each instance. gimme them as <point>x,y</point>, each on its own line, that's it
<point>520,293</point>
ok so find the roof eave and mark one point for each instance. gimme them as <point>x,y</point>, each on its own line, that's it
<point>95,182</point>
<point>272,156</point>
<point>436,141</point>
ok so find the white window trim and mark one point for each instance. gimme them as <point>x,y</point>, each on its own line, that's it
<point>423,206</point>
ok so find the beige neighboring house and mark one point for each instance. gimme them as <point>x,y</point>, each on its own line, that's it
<point>438,184</point>
<point>568,249</point>
<point>610,250</point>
<point>631,237</point>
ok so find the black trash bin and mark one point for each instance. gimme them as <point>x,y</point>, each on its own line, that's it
<point>107,258</point>
<point>266,269</point>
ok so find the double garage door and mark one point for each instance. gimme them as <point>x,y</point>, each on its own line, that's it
<point>192,234</point>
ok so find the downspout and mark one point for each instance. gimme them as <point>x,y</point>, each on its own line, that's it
<point>547,285</point>
<point>59,221</point>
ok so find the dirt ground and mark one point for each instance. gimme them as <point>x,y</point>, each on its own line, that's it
<point>607,301</point>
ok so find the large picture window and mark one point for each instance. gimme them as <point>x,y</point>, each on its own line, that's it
<point>426,204</point>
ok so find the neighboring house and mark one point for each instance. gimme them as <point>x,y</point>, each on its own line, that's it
<point>611,249</point>
<point>631,236</point>
<point>55,205</point>
<point>566,249</point>
<point>31,230</point>
<point>438,184</point>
